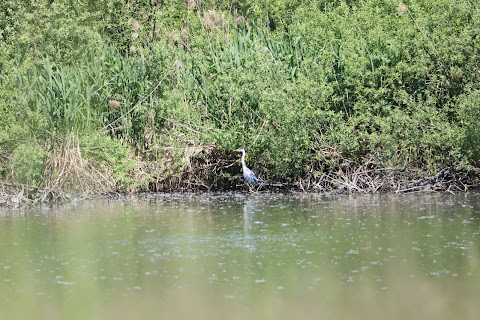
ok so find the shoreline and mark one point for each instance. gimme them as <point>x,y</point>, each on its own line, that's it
<point>341,182</point>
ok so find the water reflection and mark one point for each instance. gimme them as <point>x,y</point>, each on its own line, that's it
<point>250,208</point>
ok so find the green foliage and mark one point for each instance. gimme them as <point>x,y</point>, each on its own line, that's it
<point>304,86</point>
<point>26,164</point>
<point>59,95</point>
<point>111,156</point>
<point>469,114</point>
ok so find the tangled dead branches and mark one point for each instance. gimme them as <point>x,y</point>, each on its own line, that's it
<point>363,180</point>
<point>202,168</point>
<point>207,168</point>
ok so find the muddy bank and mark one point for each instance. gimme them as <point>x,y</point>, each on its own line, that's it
<point>347,181</point>
<point>359,179</point>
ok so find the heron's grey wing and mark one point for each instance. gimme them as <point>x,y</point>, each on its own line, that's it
<point>250,177</point>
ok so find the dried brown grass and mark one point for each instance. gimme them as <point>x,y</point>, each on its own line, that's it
<point>67,170</point>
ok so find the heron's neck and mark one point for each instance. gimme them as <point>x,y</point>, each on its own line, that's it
<point>243,159</point>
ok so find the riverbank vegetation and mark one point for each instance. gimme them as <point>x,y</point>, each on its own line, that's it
<point>125,96</point>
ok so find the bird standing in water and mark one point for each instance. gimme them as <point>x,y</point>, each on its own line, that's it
<point>248,175</point>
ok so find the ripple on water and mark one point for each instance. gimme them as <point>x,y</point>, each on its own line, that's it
<point>242,239</point>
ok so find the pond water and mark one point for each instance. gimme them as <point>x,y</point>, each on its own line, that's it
<point>243,255</point>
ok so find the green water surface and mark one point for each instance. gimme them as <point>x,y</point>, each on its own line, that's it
<point>243,255</point>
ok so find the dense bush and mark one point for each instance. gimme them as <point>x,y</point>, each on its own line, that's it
<point>27,165</point>
<point>307,87</point>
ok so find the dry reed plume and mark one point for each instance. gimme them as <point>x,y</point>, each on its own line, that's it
<point>402,8</point>
<point>212,20</point>
<point>135,24</point>
<point>113,104</point>
<point>192,4</point>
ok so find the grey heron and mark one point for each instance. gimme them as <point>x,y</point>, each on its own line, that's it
<point>248,175</point>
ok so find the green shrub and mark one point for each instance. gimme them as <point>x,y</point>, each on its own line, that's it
<point>304,86</point>
<point>469,115</point>
<point>114,159</point>
<point>26,164</point>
